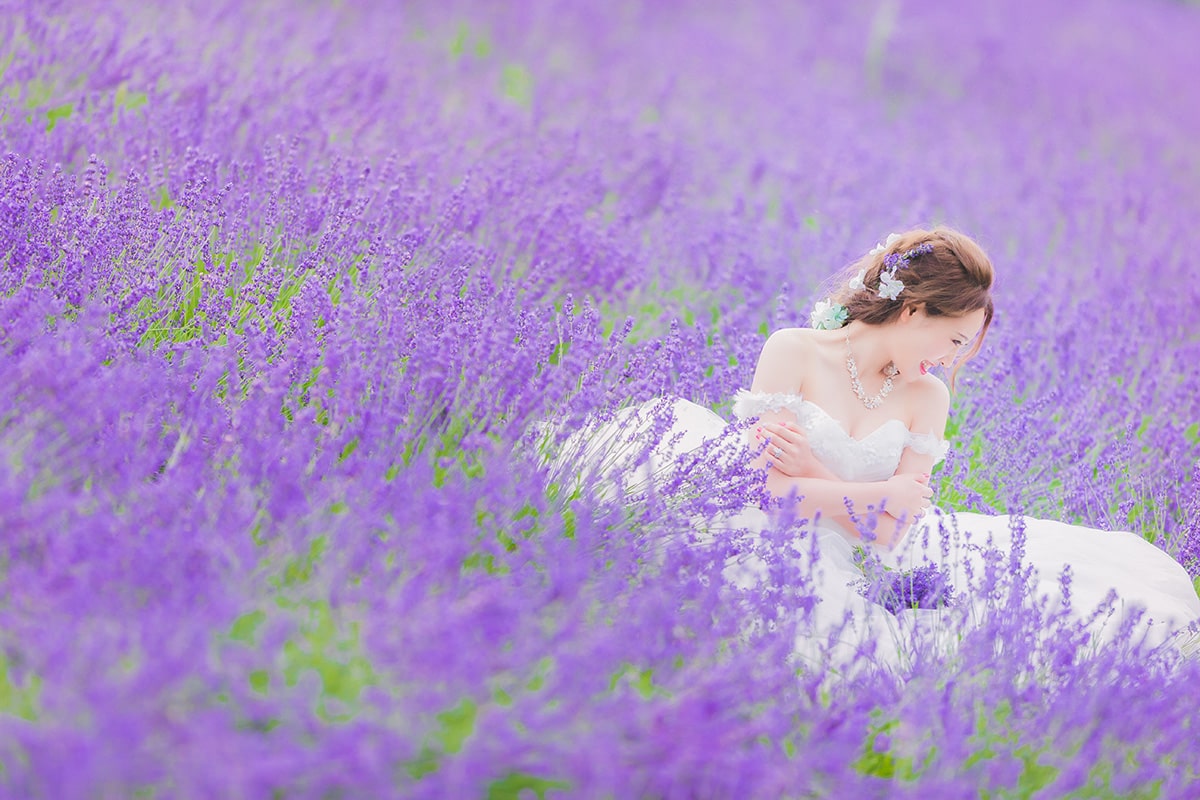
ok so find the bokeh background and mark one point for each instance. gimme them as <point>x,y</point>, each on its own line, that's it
<point>289,290</point>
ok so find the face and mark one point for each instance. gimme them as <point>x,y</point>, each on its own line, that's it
<point>923,342</point>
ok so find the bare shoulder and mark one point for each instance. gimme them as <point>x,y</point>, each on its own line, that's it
<point>784,361</point>
<point>789,341</point>
<point>929,400</point>
<point>931,389</point>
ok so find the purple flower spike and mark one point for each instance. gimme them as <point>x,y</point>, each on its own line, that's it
<point>303,307</point>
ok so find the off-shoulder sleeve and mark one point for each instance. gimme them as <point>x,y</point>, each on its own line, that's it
<point>928,444</point>
<point>754,404</point>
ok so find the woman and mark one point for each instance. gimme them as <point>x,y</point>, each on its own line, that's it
<point>915,303</point>
<point>849,423</point>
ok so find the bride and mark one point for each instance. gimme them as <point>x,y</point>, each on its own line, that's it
<point>846,419</point>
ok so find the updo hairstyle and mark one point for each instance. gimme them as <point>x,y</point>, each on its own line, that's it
<point>952,280</point>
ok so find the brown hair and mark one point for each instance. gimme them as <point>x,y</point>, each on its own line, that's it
<point>952,280</point>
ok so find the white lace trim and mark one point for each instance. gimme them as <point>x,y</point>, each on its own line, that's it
<point>747,404</point>
<point>928,444</point>
<point>754,404</point>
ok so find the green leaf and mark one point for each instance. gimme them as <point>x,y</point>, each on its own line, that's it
<point>458,723</point>
<point>1035,776</point>
<point>427,762</point>
<point>299,570</point>
<point>246,626</point>
<point>130,100</point>
<point>18,700</point>
<point>560,350</point>
<point>512,785</point>
<point>459,43</point>
<point>873,761</point>
<point>348,449</point>
<point>53,115</point>
<point>540,671</point>
<point>518,84</point>
<point>163,200</point>
<point>1192,433</point>
<point>643,684</point>
<point>260,681</point>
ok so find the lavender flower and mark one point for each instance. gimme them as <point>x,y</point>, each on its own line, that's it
<point>286,341</point>
<point>922,587</point>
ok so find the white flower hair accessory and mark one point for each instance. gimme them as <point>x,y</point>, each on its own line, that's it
<point>891,240</point>
<point>890,286</point>
<point>827,315</point>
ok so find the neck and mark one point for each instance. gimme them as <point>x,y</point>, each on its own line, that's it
<point>869,347</point>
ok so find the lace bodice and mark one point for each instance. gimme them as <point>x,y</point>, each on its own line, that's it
<point>871,458</point>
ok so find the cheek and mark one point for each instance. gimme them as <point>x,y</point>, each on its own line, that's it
<point>935,347</point>
<point>945,339</point>
<point>932,343</point>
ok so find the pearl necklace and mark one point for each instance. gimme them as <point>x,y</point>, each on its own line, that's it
<point>889,372</point>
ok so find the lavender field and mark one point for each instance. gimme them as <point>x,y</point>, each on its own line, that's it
<point>294,296</point>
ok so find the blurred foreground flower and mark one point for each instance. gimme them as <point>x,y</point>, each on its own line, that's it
<point>896,590</point>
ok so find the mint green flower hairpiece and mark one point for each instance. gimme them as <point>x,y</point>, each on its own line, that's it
<point>828,315</point>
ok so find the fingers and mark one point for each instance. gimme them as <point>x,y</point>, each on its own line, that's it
<point>786,433</point>
<point>775,447</point>
<point>771,437</point>
<point>922,501</point>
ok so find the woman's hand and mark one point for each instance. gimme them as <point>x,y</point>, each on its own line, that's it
<point>787,448</point>
<point>907,496</point>
<point>890,529</point>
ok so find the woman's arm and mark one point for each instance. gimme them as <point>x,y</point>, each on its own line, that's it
<point>796,461</point>
<point>785,354</point>
<point>933,409</point>
<point>818,489</point>
<point>904,494</point>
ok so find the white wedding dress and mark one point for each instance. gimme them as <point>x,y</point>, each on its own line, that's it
<point>1143,577</point>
